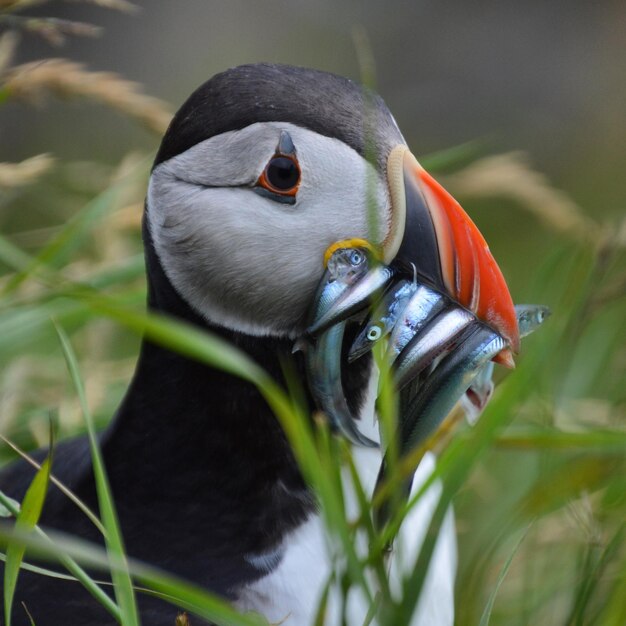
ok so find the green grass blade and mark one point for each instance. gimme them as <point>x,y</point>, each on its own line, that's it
<point>43,571</point>
<point>486,616</point>
<point>325,476</point>
<point>589,584</point>
<point>124,592</point>
<point>376,559</point>
<point>76,571</point>
<point>179,336</point>
<point>26,519</point>
<point>12,256</point>
<point>402,613</point>
<point>606,440</point>
<point>69,494</point>
<point>30,617</point>
<point>454,157</point>
<point>614,610</point>
<point>8,506</point>
<point>183,594</point>
<point>320,614</point>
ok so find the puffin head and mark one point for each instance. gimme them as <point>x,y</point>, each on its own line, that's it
<point>265,168</point>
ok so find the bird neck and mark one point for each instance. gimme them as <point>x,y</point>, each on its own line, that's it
<point>197,459</point>
<point>182,416</point>
<point>194,437</point>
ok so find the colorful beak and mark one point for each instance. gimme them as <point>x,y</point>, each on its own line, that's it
<point>431,234</point>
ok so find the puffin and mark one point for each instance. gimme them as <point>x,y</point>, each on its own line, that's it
<point>262,170</point>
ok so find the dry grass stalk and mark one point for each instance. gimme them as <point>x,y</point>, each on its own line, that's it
<point>182,619</point>
<point>124,215</point>
<point>127,219</point>
<point>117,5</point>
<point>129,180</point>
<point>8,44</point>
<point>24,173</point>
<point>53,30</point>
<point>133,168</point>
<point>67,79</point>
<point>510,175</point>
<point>13,5</point>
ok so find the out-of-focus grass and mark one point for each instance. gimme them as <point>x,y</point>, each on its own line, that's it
<point>545,464</point>
<point>559,466</point>
<point>26,518</point>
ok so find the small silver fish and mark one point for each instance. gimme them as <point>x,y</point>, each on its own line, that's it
<point>530,317</point>
<point>384,319</point>
<point>345,268</point>
<point>323,359</point>
<point>433,340</point>
<point>478,394</point>
<point>355,299</point>
<point>423,305</point>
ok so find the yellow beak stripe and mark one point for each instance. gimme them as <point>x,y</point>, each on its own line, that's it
<point>350,243</point>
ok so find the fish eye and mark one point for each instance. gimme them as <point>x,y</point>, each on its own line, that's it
<point>356,258</point>
<point>374,333</point>
<point>281,175</point>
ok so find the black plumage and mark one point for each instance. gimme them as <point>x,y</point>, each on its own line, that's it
<point>328,104</point>
<point>193,454</point>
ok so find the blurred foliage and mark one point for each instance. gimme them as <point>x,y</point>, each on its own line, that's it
<point>539,485</point>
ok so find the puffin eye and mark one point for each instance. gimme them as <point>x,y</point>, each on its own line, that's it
<point>281,176</point>
<point>282,173</point>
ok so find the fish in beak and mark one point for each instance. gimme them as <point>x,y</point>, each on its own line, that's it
<point>433,236</point>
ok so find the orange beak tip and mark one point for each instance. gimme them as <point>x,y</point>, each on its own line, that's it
<point>505,358</point>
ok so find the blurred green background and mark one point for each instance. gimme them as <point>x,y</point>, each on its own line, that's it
<point>518,107</point>
<point>547,78</point>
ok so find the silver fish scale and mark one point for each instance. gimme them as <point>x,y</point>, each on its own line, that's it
<point>423,305</point>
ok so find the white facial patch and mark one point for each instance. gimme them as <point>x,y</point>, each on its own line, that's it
<point>248,262</point>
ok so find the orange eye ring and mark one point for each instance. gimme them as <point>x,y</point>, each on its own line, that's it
<point>281,176</point>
